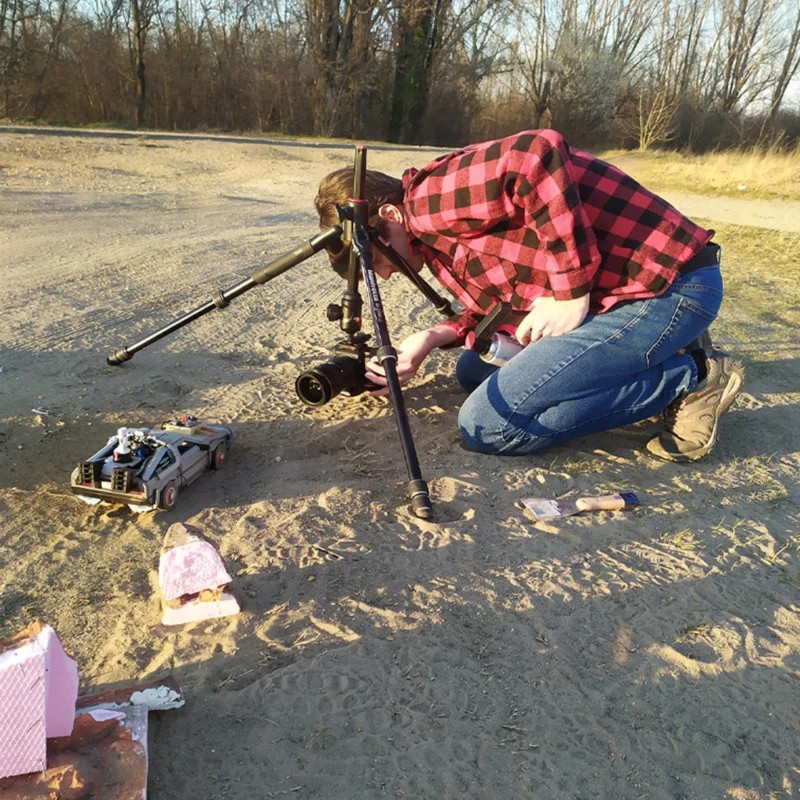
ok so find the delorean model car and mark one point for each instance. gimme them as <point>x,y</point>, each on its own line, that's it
<point>146,468</point>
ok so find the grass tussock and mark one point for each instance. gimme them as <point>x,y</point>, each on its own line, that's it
<point>760,174</point>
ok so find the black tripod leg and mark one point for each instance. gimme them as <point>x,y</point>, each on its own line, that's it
<point>417,488</point>
<point>223,298</point>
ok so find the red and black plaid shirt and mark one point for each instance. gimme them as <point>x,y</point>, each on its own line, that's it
<point>526,216</point>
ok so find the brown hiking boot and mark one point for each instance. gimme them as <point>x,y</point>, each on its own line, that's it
<point>692,422</point>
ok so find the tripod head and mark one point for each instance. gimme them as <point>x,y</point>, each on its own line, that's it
<point>353,220</point>
<point>347,370</point>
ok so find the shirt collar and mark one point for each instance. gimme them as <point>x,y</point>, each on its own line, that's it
<point>408,177</point>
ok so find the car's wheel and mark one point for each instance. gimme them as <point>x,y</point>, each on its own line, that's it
<point>169,497</point>
<point>219,456</point>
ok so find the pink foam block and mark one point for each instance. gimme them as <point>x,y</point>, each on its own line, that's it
<point>38,690</point>
<point>61,686</point>
<point>23,746</point>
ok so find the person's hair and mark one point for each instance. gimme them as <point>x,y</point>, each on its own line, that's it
<point>336,188</point>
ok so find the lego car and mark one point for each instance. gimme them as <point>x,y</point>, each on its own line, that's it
<point>146,468</point>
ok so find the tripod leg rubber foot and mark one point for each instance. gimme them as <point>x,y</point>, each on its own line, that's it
<point>420,499</point>
<point>120,357</point>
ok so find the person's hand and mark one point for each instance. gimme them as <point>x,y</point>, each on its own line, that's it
<point>550,317</point>
<point>411,352</point>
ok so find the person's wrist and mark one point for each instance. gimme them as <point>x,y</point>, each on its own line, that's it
<point>441,335</point>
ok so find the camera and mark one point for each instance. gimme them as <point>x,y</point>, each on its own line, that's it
<point>345,372</point>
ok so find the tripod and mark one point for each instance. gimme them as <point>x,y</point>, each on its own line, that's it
<point>347,371</point>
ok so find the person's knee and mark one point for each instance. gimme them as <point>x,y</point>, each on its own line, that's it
<point>480,435</point>
<point>472,371</point>
<point>476,438</point>
<point>490,434</point>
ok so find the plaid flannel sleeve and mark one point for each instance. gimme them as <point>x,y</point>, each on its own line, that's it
<point>462,324</point>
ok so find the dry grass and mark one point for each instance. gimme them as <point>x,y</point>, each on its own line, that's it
<point>761,269</point>
<point>762,272</point>
<point>757,174</point>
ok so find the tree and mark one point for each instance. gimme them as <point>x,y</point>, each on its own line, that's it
<point>31,35</point>
<point>12,14</point>
<point>586,82</point>
<point>343,38</point>
<point>419,37</point>
<point>745,44</point>
<point>142,13</point>
<point>535,47</point>
<point>651,115</point>
<point>470,56</point>
<point>789,66</point>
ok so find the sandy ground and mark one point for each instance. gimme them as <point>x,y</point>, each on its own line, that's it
<point>642,654</point>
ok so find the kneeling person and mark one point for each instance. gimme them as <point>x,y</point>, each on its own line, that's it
<point>615,289</point>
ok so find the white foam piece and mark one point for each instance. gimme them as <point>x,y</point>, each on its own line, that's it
<point>198,610</point>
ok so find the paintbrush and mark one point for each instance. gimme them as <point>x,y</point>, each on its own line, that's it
<point>543,508</point>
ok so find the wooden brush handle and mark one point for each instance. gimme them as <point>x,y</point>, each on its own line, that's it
<point>607,502</point>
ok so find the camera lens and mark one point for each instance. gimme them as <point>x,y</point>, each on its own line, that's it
<point>313,389</point>
<point>320,385</point>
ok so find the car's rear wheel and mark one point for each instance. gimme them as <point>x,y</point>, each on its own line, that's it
<point>219,456</point>
<point>169,497</point>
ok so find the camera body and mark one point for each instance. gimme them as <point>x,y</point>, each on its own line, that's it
<point>345,372</point>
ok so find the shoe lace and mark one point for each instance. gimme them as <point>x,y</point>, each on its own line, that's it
<point>671,413</point>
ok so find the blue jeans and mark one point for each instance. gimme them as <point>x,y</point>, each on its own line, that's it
<point>615,369</point>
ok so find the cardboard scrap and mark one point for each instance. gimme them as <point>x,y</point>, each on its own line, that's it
<point>38,690</point>
<point>100,759</point>
<point>105,756</point>
<point>192,578</point>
